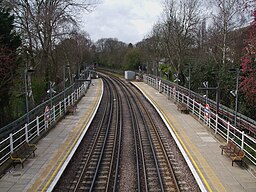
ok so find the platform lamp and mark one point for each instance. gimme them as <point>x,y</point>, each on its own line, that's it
<point>189,78</point>
<point>235,92</point>
<point>64,83</point>
<point>27,72</point>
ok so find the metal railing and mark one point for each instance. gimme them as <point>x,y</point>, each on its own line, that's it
<point>220,126</point>
<point>41,122</point>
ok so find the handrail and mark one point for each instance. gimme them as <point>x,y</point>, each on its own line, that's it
<point>242,119</point>
<point>40,123</point>
<point>220,126</point>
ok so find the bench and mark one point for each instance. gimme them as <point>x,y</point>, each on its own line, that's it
<point>22,153</point>
<point>233,151</point>
<point>183,108</point>
<point>71,109</point>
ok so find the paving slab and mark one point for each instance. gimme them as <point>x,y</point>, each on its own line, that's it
<point>202,147</point>
<point>53,149</point>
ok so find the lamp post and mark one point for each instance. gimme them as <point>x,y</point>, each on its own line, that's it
<point>51,90</point>
<point>189,78</point>
<point>26,73</point>
<point>235,93</point>
<point>205,83</point>
<point>64,84</point>
<point>217,89</point>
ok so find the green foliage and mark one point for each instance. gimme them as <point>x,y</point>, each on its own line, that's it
<point>132,60</point>
<point>39,91</point>
<point>9,42</point>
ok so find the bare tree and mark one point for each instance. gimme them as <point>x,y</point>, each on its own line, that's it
<point>227,15</point>
<point>43,22</point>
<point>180,21</point>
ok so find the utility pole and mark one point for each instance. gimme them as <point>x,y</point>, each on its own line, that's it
<point>217,89</point>
<point>235,93</point>
<point>26,73</point>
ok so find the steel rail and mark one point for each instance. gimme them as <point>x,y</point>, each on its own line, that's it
<point>137,108</point>
<point>93,147</point>
<point>105,141</point>
<point>161,144</point>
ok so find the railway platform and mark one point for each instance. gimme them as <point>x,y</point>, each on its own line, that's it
<point>55,149</point>
<point>202,147</point>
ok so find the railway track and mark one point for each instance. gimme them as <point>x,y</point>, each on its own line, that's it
<point>124,149</point>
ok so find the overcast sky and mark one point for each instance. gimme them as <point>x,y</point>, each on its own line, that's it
<point>127,20</point>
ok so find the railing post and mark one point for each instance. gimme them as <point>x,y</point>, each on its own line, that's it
<point>65,107</point>
<point>54,113</point>
<point>200,109</point>
<point>169,92</point>
<point>188,99</point>
<point>159,86</point>
<point>37,126</point>
<point>242,144</point>
<point>182,97</point>
<point>60,107</point>
<point>193,107</point>
<point>11,142</point>
<point>26,132</point>
<point>216,124</point>
<point>228,130</point>
<point>209,120</point>
<point>78,93</point>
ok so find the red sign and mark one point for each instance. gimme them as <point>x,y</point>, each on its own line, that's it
<point>207,110</point>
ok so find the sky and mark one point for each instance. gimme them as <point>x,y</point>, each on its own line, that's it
<point>127,20</point>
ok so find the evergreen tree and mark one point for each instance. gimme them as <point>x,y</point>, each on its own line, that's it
<point>9,42</point>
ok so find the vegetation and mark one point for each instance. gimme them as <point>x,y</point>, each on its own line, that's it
<point>9,42</point>
<point>44,36</point>
<point>49,40</point>
<point>210,46</point>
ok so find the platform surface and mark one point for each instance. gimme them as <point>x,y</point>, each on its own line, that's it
<point>202,145</point>
<point>53,149</point>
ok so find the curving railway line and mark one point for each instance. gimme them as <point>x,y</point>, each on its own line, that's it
<point>126,148</point>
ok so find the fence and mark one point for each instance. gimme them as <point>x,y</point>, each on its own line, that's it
<point>219,125</point>
<point>41,123</point>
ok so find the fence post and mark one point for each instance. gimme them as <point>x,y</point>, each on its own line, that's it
<point>11,142</point>
<point>242,144</point>
<point>228,130</point>
<point>200,108</point>
<point>209,120</point>
<point>60,107</point>
<point>188,99</point>
<point>26,131</point>
<point>216,124</point>
<point>182,97</point>
<point>54,113</point>
<point>64,104</point>
<point>37,125</point>
<point>193,107</point>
